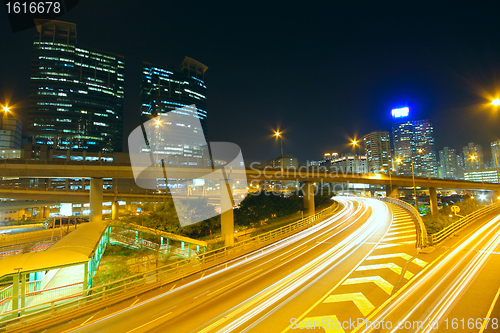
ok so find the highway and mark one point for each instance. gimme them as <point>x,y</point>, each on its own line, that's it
<point>457,293</point>
<point>243,292</point>
<point>358,271</point>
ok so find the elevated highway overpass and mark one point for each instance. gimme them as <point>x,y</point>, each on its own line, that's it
<point>97,171</point>
<point>36,169</point>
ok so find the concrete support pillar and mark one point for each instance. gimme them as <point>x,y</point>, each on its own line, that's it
<point>96,193</point>
<point>227,227</point>
<point>433,200</point>
<point>114,210</point>
<point>308,191</point>
<point>392,191</point>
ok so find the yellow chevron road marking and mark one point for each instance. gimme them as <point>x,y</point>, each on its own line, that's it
<point>400,228</point>
<point>396,238</point>
<point>393,267</point>
<point>361,302</point>
<point>378,280</point>
<point>419,262</point>
<point>399,224</point>
<point>381,246</point>
<point>400,232</point>
<point>391,255</point>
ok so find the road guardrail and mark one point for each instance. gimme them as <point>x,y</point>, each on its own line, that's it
<point>110,293</point>
<point>440,236</point>
<point>422,239</point>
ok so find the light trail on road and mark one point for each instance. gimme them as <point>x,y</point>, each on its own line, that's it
<point>248,287</point>
<point>439,288</point>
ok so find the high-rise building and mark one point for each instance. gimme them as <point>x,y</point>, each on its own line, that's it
<point>495,154</point>
<point>289,162</point>
<point>448,163</point>
<point>162,91</point>
<point>349,164</point>
<point>461,165</point>
<point>425,163</point>
<point>473,157</point>
<point>414,143</point>
<point>10,131</point>
<point>378,151</point>
<point>404,147</point>
<point>76,93</point>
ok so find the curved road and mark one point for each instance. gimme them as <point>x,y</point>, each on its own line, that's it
<point>243,293</point>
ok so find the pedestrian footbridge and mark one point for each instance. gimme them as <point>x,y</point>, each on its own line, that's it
<point>66,269</point>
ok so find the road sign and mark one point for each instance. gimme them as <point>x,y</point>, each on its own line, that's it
<point>455,209</point>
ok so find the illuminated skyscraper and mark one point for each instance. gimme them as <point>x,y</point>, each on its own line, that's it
<point>76,93</point>
<point>162,91</point>
<point>404,147</point>
<point>473,157</point>
<point>448,161</point>
<point>495,149</point>
<point>378,151</point>
<point>414,142</point>
<point>425,163</point>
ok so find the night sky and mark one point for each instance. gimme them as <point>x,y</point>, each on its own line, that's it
<point>323,74</point>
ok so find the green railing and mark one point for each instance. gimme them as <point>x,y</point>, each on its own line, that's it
<point>440,236</point>
<point>110,293</point>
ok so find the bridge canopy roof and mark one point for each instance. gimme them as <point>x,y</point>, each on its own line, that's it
<point>76,248</point>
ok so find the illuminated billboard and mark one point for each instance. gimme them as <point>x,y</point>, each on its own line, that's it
<point>400,112</point>
<point>66,209</point>
<point>198,182</point>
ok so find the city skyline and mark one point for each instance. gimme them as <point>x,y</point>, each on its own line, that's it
<point>263,96</point>
<point>236,167</point>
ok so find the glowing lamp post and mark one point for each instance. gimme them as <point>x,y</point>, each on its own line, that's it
<point>280,137</point>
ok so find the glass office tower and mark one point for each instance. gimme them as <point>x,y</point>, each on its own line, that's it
<point>414,143</point>
<point>425,162</point>
<point>449,163</point>
<point>378,151</point>
<point>76,93</point>
<point>163,90</point>
<point>404,146</point>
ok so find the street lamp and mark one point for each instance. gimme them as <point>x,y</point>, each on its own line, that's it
<point>495,102</point>
<point>354,144</point>
<point>279,136</point>
<point>390,176</point>
<point>6,109</point>
<point>398,160</point>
